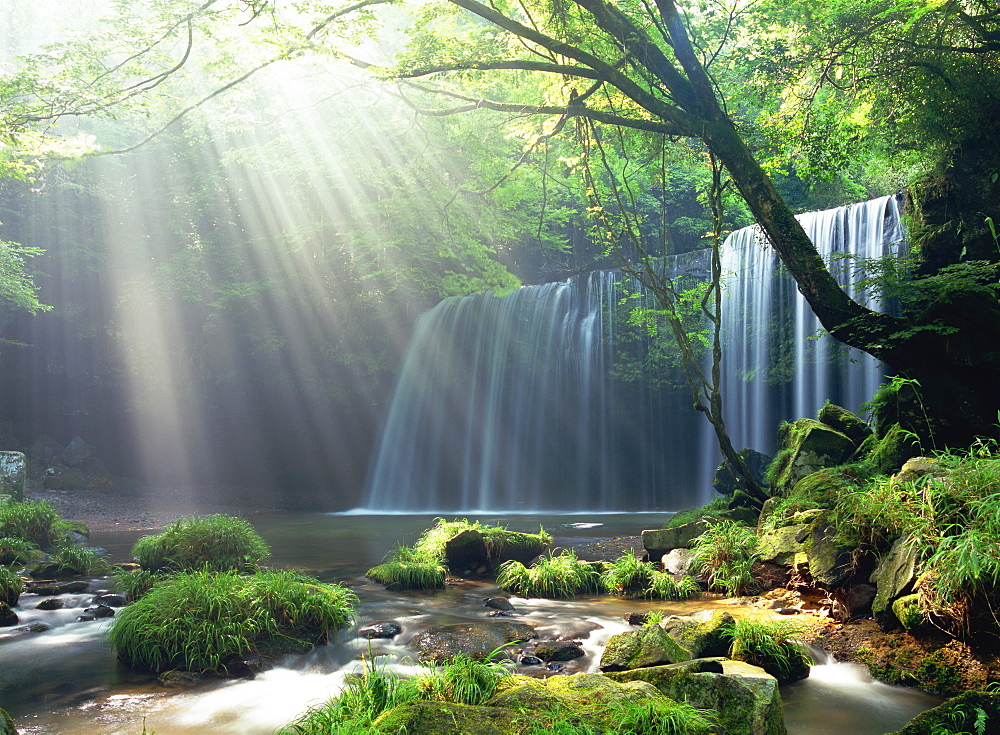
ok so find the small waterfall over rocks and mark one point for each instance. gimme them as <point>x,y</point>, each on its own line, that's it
<point>543,400</point>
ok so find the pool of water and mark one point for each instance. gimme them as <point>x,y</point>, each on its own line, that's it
<point>67,681</point>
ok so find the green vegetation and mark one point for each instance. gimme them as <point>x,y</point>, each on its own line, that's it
<point>135,584</point>
<point>629,575</point>
<point>15,550</point>
<point>77,561</point>
<point>204,620</point>
<point>770,644</point>
<point>725,554</point>
<point>30,520</point>
<point>552,575</point>
<point>10,586</point>
<point>424,565</point>
<point>218,542</point>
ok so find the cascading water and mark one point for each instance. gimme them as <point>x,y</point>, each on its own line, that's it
<point>518,402</point>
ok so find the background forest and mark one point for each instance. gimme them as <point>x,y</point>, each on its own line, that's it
<point>220,219</point>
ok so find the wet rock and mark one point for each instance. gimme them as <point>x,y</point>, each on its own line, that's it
<point>85,618</point>
<point>559,650</point>
<point>500,614</point>
<point>526,659</point>
<point>466,551</point>
<point>384,629</point>
<point>99,611</point>
<point>658,542</point>
<point>477,640</point>
<point>499,603</point>
<point>13,471</point>
<point>178,679</point>
<point>76,452</point>
<point>635,618</point>
<point>8,617</point>
<point>51,603</point>
<point>745,697</point>
<point>110,600</point>
<point>958,714</point>
<point>34,628</point>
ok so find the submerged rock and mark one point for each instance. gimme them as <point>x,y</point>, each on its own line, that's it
<point>8,617</point>
<point>383,629</point>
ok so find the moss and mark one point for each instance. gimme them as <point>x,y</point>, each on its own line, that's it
<point>417,718</point>
<point>822,488</point>
<point>909,613</point>
<point>959,714</point>
<point>893,449</point>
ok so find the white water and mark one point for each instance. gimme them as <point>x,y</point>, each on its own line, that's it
<point>509,403</point>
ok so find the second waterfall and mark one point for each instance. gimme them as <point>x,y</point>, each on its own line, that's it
<point>542,399</point>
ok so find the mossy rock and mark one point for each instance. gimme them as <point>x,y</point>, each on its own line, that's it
<point>894,577</point>
<point>477,640</point>
<point>845,422</point>
<point>893,449</point>
<point>746,698</point>
<point>830,563</point>
<point>433,718</point>
<point>909,613</point>
<point>725,482</point>
<point>6,724</point>
<point>73,527</point>
<point>807,446</point>
<point>958,714</point>
<point>672,641</point>
<point>782,544</point>
<point>659,541</point>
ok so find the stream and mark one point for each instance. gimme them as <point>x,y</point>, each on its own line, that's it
<point>67,681</point>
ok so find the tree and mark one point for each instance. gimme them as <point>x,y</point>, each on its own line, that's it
<point>635,65</point>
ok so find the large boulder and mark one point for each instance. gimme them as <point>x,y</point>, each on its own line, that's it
<point>76,452</point>
<point>807,446</point>
<point>830,563</point>
<point>892,450</point>
<point>466,551</point>
<point>779,546</point>
<point>894,577</point>
<point>659,541</point>
<point>745,697</point>
<point>8,617</point>
<point>674,640</point>
<point>13,467</point>
<point>477,640</point>
<point>845,422</point>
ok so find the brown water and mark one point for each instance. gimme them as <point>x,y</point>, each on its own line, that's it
<point>67,681</point>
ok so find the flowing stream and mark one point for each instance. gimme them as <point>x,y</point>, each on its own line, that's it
<point>66,681</point>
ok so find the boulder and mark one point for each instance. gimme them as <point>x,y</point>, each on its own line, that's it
<point>724,482</point>
<point>909,613</point>
<point>894,577</point>
<point>45,449</point>
<point>516,546</point>
<point>782,544</point>
<point>848,424</point>
<point>499,603</point>
<point>830,564</point>
<point>477,640</point>
<point>559,650</point>
<point>893,449</point>
<point>745,697</point>
<point>917,467</point>
<point>13,469</point>
<point>678,561</point>
<point>8,617</point>
<point>672,641</point>
<point>51,603</point>
<point>466,551</point>
<point>386,629</point>
<point>76,451</point>
<point>807,446</point>
<point>958,714</point>
<point>659,541</point>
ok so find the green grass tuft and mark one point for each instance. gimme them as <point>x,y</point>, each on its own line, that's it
<point>30,520</point>
<point>552,575</point>
<point>10,586</point>
<point>769,644</point>
<point>628,575</point>
<point>14,550</point>
<point>725,554</point>
<point>220,542</point>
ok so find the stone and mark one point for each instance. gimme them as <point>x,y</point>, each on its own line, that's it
<point>672,641</point>
<point>178,679</point>
<point>384,629</point>
<point>724,482</point>
<point>76,452</point>
<point>700,634</point>
<point>853,602</point>
<point>745,697</point>
<point>782,544</point>
<point>807,446</point>
<point>659,541</point>
<point>895,576</point>
<point>13,471</point>
<point>499,603</point>
<point>958,714</point>
<point>477,640</point>
<point>465,551</point>
<point>917,467</point>
<point>45,449</point>
<point>435,718</point>
<point>110,600</point>
<point>847,423</point>
<point>8,617</point>
<point>893,449</point>
<point>34,628</point>
<point>909,613</point>
<point>51,603</point>
<point>829,563</point>
<point>678,561</point>
<point>99,611</point>
<point>559,650</point>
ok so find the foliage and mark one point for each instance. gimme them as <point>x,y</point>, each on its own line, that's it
<point>78,561</point>
<point>628,574</point>
<point>15,550</point>
<point>16,285</point>
<point>431,544</point>
<point>768,643</point>
<point>137,583</point>
<point>409,569</point>
<point>712,508</point>
<point>203,620</point>
<point>551,575</point>
<point>219,542</point>
<point>466,680</point>
<point>30,520</point>
<point>725,554</point>
<point>10,586</point>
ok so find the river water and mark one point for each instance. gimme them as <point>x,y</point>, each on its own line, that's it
<point>67,681</point>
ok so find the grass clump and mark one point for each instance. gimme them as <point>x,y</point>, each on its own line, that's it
<point>218,542</point>
<point>10,586</point>
<point>409,569</point>
<point>628,575</point>
<point>770,644</point>
<point>552,575</point>
<point>29,520</point>
<point>202,620</point>
<point>725,554</point>
<point>14,550</point>
<point>135,585</point>
<point>76,560</point>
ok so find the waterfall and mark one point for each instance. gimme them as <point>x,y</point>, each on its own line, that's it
<point>543,399</point>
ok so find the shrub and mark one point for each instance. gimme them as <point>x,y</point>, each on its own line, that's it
<point>465,680</point>
<point>30,520</point>
<point>663,586</point>
<point>628,574</point>
<point>203,620</point>
<point>10,586</point>
<point>76,560</point>
<point>661,717</point>
<point>135,585</point>
<point>409,569</point>
<point>219,542</point>
<point>725,554</point>
<point>552,575</point>
<point>769,644</point>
